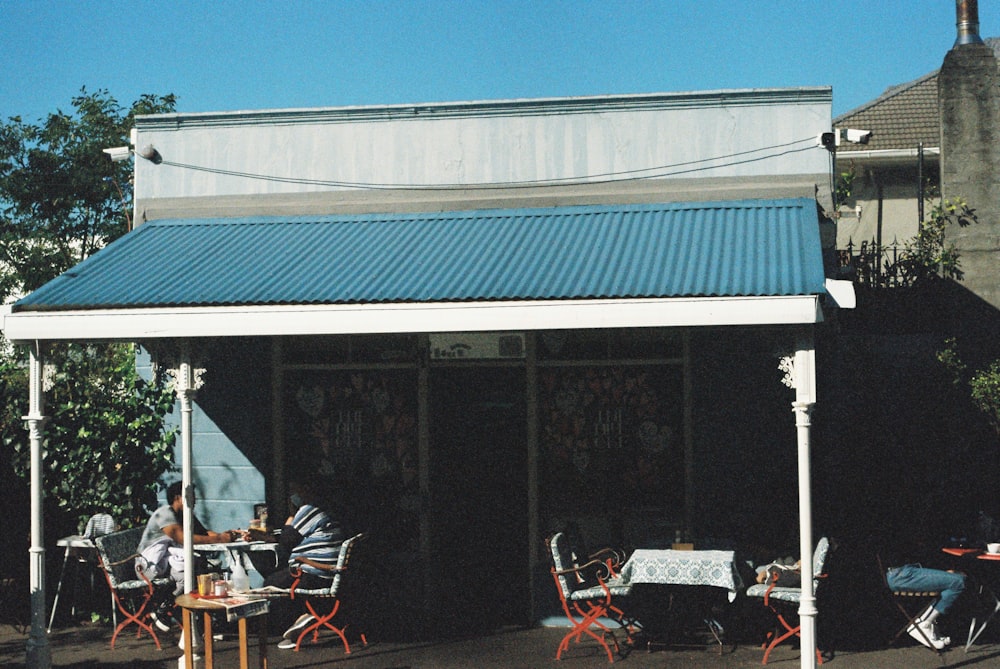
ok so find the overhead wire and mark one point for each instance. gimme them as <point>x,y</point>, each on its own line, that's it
<point>659,171</point>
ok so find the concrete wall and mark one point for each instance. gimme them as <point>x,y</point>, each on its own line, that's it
<point>969,94</point>
<point>889,211</point>
<point>231,433</point>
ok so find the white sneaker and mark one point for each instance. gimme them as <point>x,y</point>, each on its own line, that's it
<point>936,638</point>
<point>300,624</point>
<point>287,644</point>
<point>929,636</point>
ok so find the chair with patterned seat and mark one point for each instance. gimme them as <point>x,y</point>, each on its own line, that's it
<point>584,604</point>
<point>603,563</point>
<point>784,601</point>
<point>131,589</point>
<point>325,603</point>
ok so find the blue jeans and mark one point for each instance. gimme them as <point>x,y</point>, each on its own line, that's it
<point>921,579</point>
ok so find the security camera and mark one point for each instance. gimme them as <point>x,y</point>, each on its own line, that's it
<point>119,153</point>
<point>857,136</point>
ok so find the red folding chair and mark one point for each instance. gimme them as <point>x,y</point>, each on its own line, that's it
<point>783,601</point>
<point>585,604</point>
<point>131,589</point>
<point>324,604</point>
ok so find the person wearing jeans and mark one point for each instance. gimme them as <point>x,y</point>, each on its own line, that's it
<point>915,578</point>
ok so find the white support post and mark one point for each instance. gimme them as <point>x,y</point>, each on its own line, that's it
<point>807,604</point>
<point>800,374</point>
<point>38,652</point>
<point>187,381</point>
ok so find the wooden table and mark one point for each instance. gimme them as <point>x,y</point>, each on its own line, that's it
<point>191,603</point>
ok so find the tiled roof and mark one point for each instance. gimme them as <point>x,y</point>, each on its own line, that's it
<point>902,117</point>
<point>733,248</point>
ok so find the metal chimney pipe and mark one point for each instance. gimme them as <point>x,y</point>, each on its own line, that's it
<point>967,15</point>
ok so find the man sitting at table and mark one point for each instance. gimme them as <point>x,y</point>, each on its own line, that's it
<point>162,549</point>
<point>310,537</point>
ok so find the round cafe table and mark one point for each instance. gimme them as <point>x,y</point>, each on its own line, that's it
<point>191,603</point>
<point>984,568</point>
<point>989,577</point>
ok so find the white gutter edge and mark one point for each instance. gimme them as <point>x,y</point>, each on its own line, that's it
<point>141,324</point>
<point>888,155</point>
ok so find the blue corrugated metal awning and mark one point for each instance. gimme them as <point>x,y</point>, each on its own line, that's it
<point>738,248</point>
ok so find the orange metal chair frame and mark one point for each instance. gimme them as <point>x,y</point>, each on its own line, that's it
<point>584,612</point>
<point>583,620</point>
<point>140,616</point>
<point>778,637</point>
<point>311,597</point>
<point>609,560</point>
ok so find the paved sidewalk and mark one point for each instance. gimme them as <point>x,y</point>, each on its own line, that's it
<point>88,647</point>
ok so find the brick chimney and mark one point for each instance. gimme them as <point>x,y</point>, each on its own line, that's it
<point>969,107</point>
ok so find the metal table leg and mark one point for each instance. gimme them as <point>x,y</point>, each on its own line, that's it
<point>973,631</point>
<point>62,576</point>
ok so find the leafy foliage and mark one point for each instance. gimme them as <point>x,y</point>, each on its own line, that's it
<point>924,259</point>
<point>928,256</point>
<point>106,448</point>
<point>843,188</point>
<point>62,199</point>
<point>983,384</point>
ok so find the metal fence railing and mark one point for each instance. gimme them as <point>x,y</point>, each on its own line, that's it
<point>871,264</point>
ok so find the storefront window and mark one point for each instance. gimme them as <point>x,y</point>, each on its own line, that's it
<point>612,437</point>
<point>358,431</point>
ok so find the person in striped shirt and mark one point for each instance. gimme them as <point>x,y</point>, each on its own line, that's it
<point>311,538</point>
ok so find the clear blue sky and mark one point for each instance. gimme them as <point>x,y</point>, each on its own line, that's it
<point>250,54</point>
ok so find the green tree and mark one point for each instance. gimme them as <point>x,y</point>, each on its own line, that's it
<point>106,448</point>
<point>983,384</point>
<point>928,256</point>
<point>62,199</point>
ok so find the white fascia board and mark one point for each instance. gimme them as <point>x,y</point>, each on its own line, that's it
<point>888,155</point>
<point>142,324</point>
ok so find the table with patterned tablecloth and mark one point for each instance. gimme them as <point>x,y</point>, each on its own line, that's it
<point>670,567</point>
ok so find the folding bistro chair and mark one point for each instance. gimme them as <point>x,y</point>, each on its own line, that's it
<point>910,603</point>
<point>783,601</point>
<point>602,563</point>
<point>325,603</point>
<point>131,589</point>
<point>585,604</point>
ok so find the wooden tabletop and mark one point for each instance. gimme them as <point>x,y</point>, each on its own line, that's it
<point>190,601</point>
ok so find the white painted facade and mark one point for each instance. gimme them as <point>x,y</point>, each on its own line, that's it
<point>624,148</point>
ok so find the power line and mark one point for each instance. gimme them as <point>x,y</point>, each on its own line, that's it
<point>685,167</point>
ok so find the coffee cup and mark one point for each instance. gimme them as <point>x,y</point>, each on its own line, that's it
<point>993,548</point>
